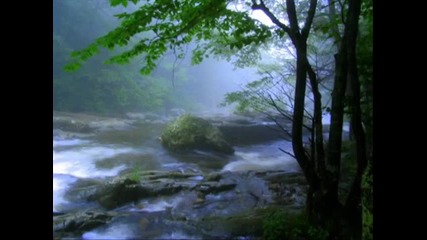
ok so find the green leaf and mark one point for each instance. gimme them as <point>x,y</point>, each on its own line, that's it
<point>121,15</point>
<point>72,67</point>
<point>75,54</point>
<point>145,71</point>
<point>114,3</point>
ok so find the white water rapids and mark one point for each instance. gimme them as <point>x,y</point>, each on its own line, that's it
<point>76,158</point>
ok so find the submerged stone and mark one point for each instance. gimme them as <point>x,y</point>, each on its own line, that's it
<point>118,192</point>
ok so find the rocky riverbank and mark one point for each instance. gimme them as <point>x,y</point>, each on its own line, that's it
<point>211,205</point>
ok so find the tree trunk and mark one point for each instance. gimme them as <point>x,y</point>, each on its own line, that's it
<point>322,174</point>
<point>367,201</point>
<point>306,162</point>
<point>317,145</point>
<point>298,114</point>
<point>322,197</point>
<point>353,209</point>
<point>325,208</point>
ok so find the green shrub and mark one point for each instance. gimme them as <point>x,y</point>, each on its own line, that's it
<point>274,226</point>
<point>290,226</point>
<point>315,233</point>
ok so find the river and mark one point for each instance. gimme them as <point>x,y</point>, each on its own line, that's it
<point>93,156</point>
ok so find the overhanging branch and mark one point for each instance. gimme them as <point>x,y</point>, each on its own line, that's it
<point>261,6</point>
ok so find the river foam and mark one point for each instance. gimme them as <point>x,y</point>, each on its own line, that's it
<point>81,162</point>
<point>78,161</point>
<point>263,157</point>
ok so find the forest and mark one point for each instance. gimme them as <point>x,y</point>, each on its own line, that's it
<point>213,119</point>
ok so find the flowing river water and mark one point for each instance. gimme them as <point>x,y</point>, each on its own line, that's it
<point>88,151</point>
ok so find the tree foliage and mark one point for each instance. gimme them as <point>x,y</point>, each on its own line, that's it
<point>102,88</point>
<point>170,25</point>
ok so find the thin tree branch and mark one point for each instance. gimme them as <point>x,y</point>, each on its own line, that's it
<point>309,20</point>
<point>290,154</point>
<point>292,16</point>
<point>261,6</point>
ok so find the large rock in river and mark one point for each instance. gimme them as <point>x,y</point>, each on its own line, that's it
<point>188,132</point>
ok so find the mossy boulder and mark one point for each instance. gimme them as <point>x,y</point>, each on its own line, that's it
<point>119,192</point>
<point>189,133</point>
<point>138,185</point>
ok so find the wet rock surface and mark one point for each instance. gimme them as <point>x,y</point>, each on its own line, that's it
<point>222,204</point>
<point>74,224</point>
<point>135,186</point>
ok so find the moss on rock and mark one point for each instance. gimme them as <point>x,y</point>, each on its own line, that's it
<point>188,133</point>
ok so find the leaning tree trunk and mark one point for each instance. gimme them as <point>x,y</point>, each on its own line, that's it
<point>306,163</point>
<point>326,209</point>
<point>298,114</point>
<point>299,40</point>
<point>346,71</point>
<point>317,145</point>
<point>323,207</point>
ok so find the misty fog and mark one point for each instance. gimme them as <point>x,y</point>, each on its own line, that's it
<point>175,83</point>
